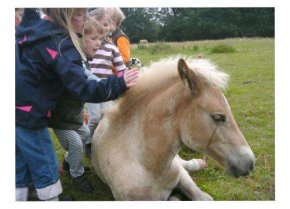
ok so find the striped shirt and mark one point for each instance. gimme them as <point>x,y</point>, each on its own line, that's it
<point>107,61</point>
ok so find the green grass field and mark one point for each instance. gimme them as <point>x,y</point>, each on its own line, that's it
<point>250,63</point>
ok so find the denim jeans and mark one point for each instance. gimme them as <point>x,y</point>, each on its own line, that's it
<point>36,161</point>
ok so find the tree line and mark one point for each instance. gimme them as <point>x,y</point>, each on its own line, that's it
<point>187,24</point>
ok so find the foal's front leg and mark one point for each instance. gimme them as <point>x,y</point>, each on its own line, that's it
<point>193,164</point>
<point>189,188</point>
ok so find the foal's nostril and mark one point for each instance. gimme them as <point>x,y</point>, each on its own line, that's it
<point>234,171</point>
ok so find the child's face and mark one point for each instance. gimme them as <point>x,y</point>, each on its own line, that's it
<point>105,23</point>
<point>78,21</point>
<point>114,24</point>
<point>93,42</point>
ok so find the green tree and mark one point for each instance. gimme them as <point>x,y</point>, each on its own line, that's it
<point>181,24</point>
<point>140,24</point>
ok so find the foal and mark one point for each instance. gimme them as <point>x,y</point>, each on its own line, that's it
<point>135,147</point>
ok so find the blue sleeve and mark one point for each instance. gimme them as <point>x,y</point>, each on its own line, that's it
<point>74,79</point>
<point>90,75</point>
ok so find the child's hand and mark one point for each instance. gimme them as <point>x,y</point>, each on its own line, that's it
<point>131,76</point>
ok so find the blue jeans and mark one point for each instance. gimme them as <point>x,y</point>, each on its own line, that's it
<point>36,161</point>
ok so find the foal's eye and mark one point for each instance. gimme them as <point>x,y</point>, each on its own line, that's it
<point>218,117</point>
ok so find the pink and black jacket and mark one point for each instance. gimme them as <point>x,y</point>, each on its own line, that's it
<point>47,63</point>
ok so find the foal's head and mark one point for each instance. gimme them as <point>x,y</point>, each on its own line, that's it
<point>206,123</point>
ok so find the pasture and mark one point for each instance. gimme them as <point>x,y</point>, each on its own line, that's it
<point>250,63</point>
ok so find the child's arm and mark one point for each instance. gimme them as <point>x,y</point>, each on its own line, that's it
<point>75,81</point>
<point>118,64</point>
<point>90,75</point>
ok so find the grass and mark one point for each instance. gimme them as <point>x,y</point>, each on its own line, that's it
<point>250,63</point>
<point>222,48</point>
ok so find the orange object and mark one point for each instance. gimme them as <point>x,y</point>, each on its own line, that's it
<point>124,48</point>
<point>86,118</point>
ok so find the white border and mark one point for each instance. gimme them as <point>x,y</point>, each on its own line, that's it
<point>282,104</point>
<point>149,3</point>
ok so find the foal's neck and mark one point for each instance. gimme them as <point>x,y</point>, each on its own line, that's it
<point>161,138</point>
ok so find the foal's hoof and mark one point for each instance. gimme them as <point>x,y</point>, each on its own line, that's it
<point>202,164</point>
<point>195,165</point>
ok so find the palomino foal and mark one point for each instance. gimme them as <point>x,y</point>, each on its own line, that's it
<point>135,147</point>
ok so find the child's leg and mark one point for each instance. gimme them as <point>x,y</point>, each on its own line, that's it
<point>94,111</point>
<point>74,146</point>
<point>21,194</point>
<point>36,150</point>
<point>22,174</point>
<point>75,154</point>
<point>84,133</point>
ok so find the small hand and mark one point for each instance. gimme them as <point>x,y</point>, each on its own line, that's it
<point>131,76</point>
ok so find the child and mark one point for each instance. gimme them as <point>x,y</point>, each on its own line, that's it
<point>47,56</point>
<point>106,61</point>
<point>67,118</point>
<point>119,38</point>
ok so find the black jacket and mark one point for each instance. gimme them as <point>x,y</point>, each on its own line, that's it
<point>68,113</point>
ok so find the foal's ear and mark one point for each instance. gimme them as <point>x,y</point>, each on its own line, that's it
<point>188,77</point>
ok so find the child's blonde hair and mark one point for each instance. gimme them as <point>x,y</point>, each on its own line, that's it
<point>100,13</point>
<point>91,25</point>
<point>62,17</point>
<point>116,15</point>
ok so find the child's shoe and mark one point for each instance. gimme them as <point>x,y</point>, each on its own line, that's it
<point>65,166</point>
<point>82,183</point>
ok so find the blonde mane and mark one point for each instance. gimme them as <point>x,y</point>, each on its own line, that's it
<point>164,71</point>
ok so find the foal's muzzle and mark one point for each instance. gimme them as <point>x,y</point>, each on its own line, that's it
<point>241,168</point>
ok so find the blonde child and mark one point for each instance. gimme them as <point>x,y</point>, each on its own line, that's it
<point>105,62</point>
<point>67,118</point>
<point>119,38</point>
<point>48,54</point>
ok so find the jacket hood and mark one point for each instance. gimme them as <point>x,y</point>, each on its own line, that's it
<point>33,28</point>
